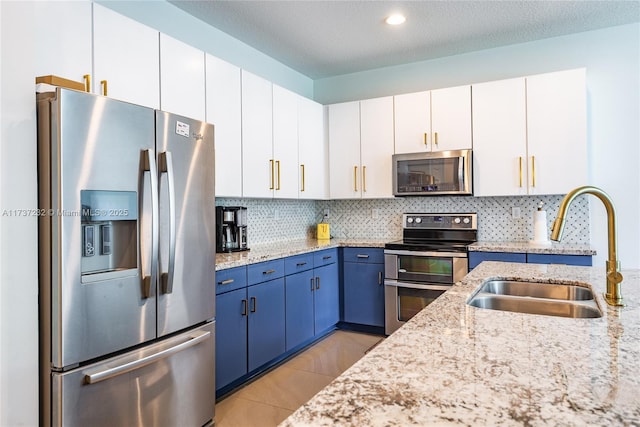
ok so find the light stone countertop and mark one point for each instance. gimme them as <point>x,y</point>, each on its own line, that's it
<point>266,252</point>
<point>453,364</point>
<point>555,248</point>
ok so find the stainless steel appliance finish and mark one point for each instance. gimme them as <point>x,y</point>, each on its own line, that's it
<point>431,257</point>
<point>433,174</point>
<point>127,250</point>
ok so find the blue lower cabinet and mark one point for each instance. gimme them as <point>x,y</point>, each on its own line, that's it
<point>299,290</point>
<point>584,260</point>
<point>476,258</point>
<point>363,289</point>
<point>326,302</point>
<point>231,336</point>
<point>266,322</point>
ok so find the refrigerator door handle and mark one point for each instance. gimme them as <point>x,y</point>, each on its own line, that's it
<point>165,164</point>
<point>114,371</point>
<point>148,164</point>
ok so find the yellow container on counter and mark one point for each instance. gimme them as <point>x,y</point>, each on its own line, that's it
<point>323,231</point>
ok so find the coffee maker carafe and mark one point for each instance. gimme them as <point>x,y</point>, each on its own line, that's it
<point>231,229</point>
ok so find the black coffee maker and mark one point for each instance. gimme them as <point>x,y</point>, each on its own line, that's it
<point>231,229</point>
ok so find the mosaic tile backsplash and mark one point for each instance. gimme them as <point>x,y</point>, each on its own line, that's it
<point>281,220</point>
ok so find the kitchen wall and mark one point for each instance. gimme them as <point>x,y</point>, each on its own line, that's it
<point>281,220</point>
<point>611,57</point>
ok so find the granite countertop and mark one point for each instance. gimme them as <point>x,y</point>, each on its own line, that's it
<point>276,250</point>
<point>554,248</point>
<point>266,252</point>
<point>453,364</point>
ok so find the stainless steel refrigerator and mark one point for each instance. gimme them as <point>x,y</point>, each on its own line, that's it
<point>127,254</point>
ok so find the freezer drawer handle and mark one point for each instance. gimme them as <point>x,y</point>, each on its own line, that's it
<point>137,364</point>
<point>165,165</point>
<point>148,164</point>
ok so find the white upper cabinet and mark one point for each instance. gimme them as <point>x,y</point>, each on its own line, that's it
<point>344,150</point>
<point>223,97</point>
<point>499,138</point>
<point>65,53</point>
<point>258,166</point>
<point>556,131</point>
<point>126,58</point>
<point>530,135</point>
<point>285,143</point>
<point>376,147</point>
<point>434,120</point>
<point>451,118</point>
<point>412,113</point>
<point>182,80</point>
<point>360,149</point>
<point>312,151</point>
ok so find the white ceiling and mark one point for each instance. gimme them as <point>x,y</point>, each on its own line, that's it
<point>332,37</point>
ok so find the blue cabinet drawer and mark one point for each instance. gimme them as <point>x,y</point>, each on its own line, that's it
<point>476,258</point>
<point>263,271</point>
<point>364,255</point>
<point>325,257</point>
<point>584,260</point>
<point>298,263</point>
<point>231,279</point>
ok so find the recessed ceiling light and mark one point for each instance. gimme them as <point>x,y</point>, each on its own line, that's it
<point>395,19</point>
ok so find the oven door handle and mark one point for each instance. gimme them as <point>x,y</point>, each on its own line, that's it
<point>417,285</point>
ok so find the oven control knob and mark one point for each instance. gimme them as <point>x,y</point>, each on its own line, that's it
<point>456,220</point>
<point>409,220</point>
<point>466,220</point>
<point>418,220</point>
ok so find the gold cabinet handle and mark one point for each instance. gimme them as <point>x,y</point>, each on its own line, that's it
<point>278,176</point>
<point>302,172</point>
<point>355,178</point>
<point>271,183</point>
<point>364,179</point>
<point>520,162</point>
<point>533,171</point>
<point>425,138</point>
<point>103,83</point>
<point>435,138</point>
<point>87,82</point>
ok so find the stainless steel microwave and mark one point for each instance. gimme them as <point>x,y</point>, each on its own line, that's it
<point>437,173</point>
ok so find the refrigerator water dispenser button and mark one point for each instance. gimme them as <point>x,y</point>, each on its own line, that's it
<point>88,240</point>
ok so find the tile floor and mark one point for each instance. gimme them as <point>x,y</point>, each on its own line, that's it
<point>271,398</point>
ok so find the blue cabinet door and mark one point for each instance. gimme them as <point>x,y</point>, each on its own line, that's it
<point>231,336</point>
<point>364,293</point>
<point>266,322</point>
<point>584,260</point>
<point>476,258</point>
<point>326,297</point>
<point>299,290</point>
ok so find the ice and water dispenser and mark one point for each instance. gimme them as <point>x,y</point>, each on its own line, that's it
<point>109,221</point>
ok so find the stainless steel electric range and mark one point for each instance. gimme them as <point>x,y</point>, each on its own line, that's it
<point>429,259</point>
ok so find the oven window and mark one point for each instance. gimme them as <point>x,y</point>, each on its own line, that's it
<point>425,269</point>
<point>411,301</point>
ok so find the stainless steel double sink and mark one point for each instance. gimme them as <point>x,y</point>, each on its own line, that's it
<point>536,298</point>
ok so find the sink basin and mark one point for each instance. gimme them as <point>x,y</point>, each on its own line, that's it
<point>537,290</point>
<point>536,298</point>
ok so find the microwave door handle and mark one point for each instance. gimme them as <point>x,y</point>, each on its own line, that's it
<point>148,165</point>
<point>165,164</point>
<point>461,170</point>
